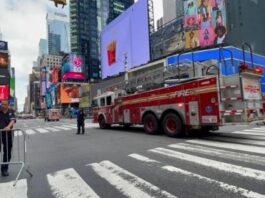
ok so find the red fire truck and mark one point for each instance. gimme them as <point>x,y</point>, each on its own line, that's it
<point>199,103</point>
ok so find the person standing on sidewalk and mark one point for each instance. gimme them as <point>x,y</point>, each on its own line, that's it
<point>7,121</point>
<point>80,121</point>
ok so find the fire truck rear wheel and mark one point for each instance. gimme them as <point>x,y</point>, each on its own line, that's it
<point>172,125</point>
<point>150,124</point>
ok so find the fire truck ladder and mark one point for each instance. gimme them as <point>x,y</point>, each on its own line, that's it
<point>233,107</point>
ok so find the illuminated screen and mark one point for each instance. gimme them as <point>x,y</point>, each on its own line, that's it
<point>204,23</point>
<point>70,93</point>
<point>3,60</point>
<point>4,92</point>
<point>128,34</point>
<point>72,67</point>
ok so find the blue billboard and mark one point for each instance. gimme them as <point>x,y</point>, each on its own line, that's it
<point>126,36</point>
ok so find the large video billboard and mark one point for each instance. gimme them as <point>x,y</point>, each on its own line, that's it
<point>3,60</point>
<point>204,23</point>
<point>4,92</point>
<point>127,35</point>
<point>3,45</point>
<point>72,68</point>
<point>69,93</point>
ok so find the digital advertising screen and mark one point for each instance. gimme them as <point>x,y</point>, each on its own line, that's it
<point>70,93</point>
<point>3,60</point>
<point>3,45</point>
<point>126,36</point>
<point>4,76</point>
<point>73,67</point>
<point>12,87</point>
<point>4,92</point>
<point>55,75</point>
<point>204,23</point>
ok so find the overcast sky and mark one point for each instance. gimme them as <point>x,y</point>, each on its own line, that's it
<point>23,23</point>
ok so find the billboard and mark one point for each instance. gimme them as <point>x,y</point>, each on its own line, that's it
<point>45,80</point>
<point>3,45</point>
<point>55,75</point>
<point>4,76</point>
<point>72,67</point>
<point>127,34</point>
<point>3,60</point>
<point>12,87</point>
<point>204,23</point>
<point>84,95</point>
<point>69,93</point>
<point>4,92</point>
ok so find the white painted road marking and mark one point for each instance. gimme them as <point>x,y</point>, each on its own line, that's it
<point>30,132</point>
<point>42,130</point>
<point>61,127</point>
<point>127,183</point>
<point>248,133</point>
<point>254,159</point>
<point>230,168</point>
<point>222,185</point>
<point>68,184</point>
<point>142,158</point>
<point>52,129</point>
<point>232,146</point>
<point>7,190</point>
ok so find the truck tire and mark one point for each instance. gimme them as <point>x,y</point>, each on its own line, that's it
<point>172,125</point>
<point>102,123</point>
<point>150,124</point>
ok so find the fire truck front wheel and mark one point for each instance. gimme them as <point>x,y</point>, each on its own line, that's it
<point>172,125</point>
<point>102,123</point>
<point>150,124</point>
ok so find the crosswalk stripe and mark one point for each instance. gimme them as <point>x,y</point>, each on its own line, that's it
<point>61,127</point>
<point>142,158</point>
<point>254,159</point>
<point>256,130</point>
<point>7,190</point>
<point>127,183</point>
<point>18,133</point>
<point>42,130</point>
<point>232,146</point>
<point>30,132</point>
<point>68,183</point>
<point>222,185</point>
<point>70,126</point>
<point>222,166</point>
<point>51,129</point>
<point>248,133</point>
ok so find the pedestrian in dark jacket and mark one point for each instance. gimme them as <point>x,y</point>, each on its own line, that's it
<point>80,121</point>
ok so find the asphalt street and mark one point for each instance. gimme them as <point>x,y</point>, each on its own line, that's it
<point>122,162</point>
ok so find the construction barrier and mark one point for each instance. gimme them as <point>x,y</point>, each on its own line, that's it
<point>13,150</point>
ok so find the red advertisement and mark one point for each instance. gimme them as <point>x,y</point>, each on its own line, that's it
<point>4,92</point>
<point>55,75</point>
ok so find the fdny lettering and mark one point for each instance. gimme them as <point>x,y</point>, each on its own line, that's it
<point>183,93</point>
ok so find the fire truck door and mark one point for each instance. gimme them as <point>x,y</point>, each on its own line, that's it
<point>194,113</point>
<point>126,116</point>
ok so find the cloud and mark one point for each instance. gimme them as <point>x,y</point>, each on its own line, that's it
<point>23,23</point>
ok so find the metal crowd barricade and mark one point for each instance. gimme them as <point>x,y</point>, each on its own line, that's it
<point>13,150</point>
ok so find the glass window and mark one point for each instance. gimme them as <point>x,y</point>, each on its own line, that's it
<point>102,102</point>
<point>109,100</point>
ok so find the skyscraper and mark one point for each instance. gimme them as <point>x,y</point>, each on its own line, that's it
<point>172,9</point>
<point>58,33</point>
<point>87,19</point>
<point>43,47</point>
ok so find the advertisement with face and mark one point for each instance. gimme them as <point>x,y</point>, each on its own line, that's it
<point>209,21</point>
<point>126,39</point>
<point>70,93</point>
<point>3,60</point>
<point>72,67</point>
<point>4,92</point>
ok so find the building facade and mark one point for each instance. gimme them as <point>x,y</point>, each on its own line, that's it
<point>87,19</point>
<point>43,47</point>
<point>57,33</point>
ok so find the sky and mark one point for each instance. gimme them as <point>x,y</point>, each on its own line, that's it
<point>23,24</point>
